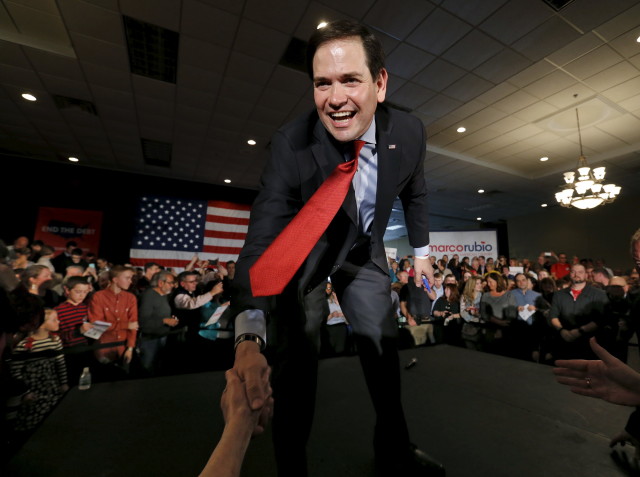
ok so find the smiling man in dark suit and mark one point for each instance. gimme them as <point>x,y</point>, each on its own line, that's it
<point>346,65</point>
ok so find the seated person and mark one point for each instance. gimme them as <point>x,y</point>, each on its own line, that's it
<point>446,311</point>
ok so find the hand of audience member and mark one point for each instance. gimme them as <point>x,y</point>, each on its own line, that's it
<point>133,325</point>
<point>531,308</point>
<point>236,409</point>
<point>569,335</point>
<point>422,266</point>
<point>608,378</point>
<point>173,321</point>
<point>622,438</point>
<point>411,321</point>
<point>63,388</point>
<point>216,290</point>
<point>128,355</point>
<point>222,270</point>
<point>252,368</point>
<point>85,327</point>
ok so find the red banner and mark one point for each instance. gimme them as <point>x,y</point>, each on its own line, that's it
<point>56,227</point>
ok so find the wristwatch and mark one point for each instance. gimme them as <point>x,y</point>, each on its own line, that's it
<point>250,337</point>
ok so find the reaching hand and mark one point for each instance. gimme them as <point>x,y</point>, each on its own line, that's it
<point>252,368</point>
<point>236,409</point>
<point>607,378</point>
<point>422,266</point>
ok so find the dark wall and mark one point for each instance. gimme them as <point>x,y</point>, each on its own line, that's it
<point>31,184</point>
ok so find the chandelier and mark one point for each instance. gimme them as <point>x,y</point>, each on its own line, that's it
<point>584,188</point>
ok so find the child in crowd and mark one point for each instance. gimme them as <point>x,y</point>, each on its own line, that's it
<point>38,365</point>
<point>74,322</point>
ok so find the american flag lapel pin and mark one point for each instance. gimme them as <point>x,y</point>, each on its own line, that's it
<point>392,146</point>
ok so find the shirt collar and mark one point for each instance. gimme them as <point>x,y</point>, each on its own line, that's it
<point>369,135</point>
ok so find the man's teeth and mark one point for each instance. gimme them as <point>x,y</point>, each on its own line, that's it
<point>341,116</point>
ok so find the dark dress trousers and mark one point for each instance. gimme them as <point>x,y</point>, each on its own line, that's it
<point>303,155</point>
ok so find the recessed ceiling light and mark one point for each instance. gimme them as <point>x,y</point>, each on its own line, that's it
<point>478,218</point>
<point>29,97</point>
<point>74,159</point>
<point>543,205</point>
<point>461,129</point>
<point>321,25</point>
<point>251,142</point>
<point>480,191</point>
<point>544,159</point>
<point>228,181</point>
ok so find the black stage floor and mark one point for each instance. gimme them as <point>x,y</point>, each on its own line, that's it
<point>480,414</point>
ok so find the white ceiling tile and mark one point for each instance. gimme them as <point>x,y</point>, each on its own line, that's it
<point>249,68</point>
<point>36,26</point>
<point>438,32</point>
<point>21,78</point>
<point>197,79</point>
<point>289,81</point>
<point>612,76</point>
<point>515,19</point>
<point>535,111</point>
<point>240,90</point>
<point>515,102</point>
<point>202,54</point>
<point>593,62</point>
<point>164,13</point>
<point>65,87</point>
<point>472,12</point>
<point>439,105</point>
<point>13,54</point>
<point>626,44</point>
<point>567,97</point>
<point>623,91</point>
<point>234,108</point>
<point>92,21</point>
<point>531,74</point>
<point>631,104</point>
<point>208,23</point>
<point>282,15</point>
<point>406,60</point>
<point>262,114</point>
<point>143,86</point>
<point>261,41</point>
<point>601,141</point>
<point>496,93</point>
<point>399,18</point>
<point>233,6</point>
<point>114,78</point>
<point>195,99</point>
<point>575,49</point>
<point>314,14</point>
<point>502,66</point>
<point>103,53</point>
<point>625,127</point>
<point>439,74</point>
<point>151,106</point>
<point>473,50</point>
<point>588,14</point>
<point>620,24</point>
<point>550,84</point>
<point>545,38</point>
<point>411,95</point>
<point>468,87</point>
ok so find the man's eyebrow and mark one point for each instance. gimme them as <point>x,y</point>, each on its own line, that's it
<point>353,74</point>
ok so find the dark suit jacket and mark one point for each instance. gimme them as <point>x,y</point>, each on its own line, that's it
<point>303,154</point>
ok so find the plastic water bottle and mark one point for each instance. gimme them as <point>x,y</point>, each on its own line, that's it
<point>85,380</point>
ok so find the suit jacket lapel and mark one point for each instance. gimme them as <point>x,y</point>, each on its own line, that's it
<point>388,155</point>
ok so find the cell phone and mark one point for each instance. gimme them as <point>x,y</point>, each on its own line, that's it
<point>213,262</point>
<point>92,265</point>
<point>425,282</point>
<point>547,254</point>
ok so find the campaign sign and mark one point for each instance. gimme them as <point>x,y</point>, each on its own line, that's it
<point>55,227</point>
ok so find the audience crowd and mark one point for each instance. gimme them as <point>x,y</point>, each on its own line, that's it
<point>62,314</point>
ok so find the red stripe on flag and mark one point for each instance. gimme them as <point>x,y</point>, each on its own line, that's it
<point>228,205</point>
<point>225,235</point>
<point>227,220</point>
<point>214,249</point>
<point>165,262</point>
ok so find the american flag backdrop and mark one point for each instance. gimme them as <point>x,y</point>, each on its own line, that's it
<point>171,231</point>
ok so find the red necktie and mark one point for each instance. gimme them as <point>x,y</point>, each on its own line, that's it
<point>281,260</point>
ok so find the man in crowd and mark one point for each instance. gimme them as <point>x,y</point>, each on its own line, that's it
<point>416,305</point>
<point>561,268</point>
<point>576,312</point>
<point>522,329</point>
<point>601,277</point>
<point>349,81</point>
<point>150,269</point>
<point>63,260</point>
<point>156,319</point>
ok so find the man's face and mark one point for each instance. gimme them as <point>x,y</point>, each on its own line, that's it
<point>231,268</point>
<point>152,270</point>
<point>543,274</point>
<point>449,279</point>
<point>578,274</point>
<point>403,277</point>
<point>78,293</point>
<point>345,94</point>
<point>521,282</point>
<point>166,286</point>
<point>189,283</point>
<point>76,258</point>
<point>123,280</point>
<point>438,281</point>
<point>636,255</point>
<point>562,258</point>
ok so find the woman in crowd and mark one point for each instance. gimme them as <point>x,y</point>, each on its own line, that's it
<point>498,309</point>
<point>472,331</point>
<point>446,311</point>
<point>336,328</point>
<point>37,279</point>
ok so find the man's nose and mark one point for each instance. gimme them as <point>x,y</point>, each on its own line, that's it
<point>337,97</point>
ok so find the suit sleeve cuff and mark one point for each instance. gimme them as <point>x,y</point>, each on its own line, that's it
<point>421,252</point>
<point>252,322</point>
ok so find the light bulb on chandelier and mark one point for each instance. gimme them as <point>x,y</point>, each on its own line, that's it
<point>584,188</point>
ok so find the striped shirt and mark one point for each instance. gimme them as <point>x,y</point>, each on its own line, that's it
<point>71,318</point>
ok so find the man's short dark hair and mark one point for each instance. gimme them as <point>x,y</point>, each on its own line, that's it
<point>602,271</point>
<point>74,281</point>
<point>148,265</point>
<point>341,29</point>
<point>77,251</point>
<point>184,275</point>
